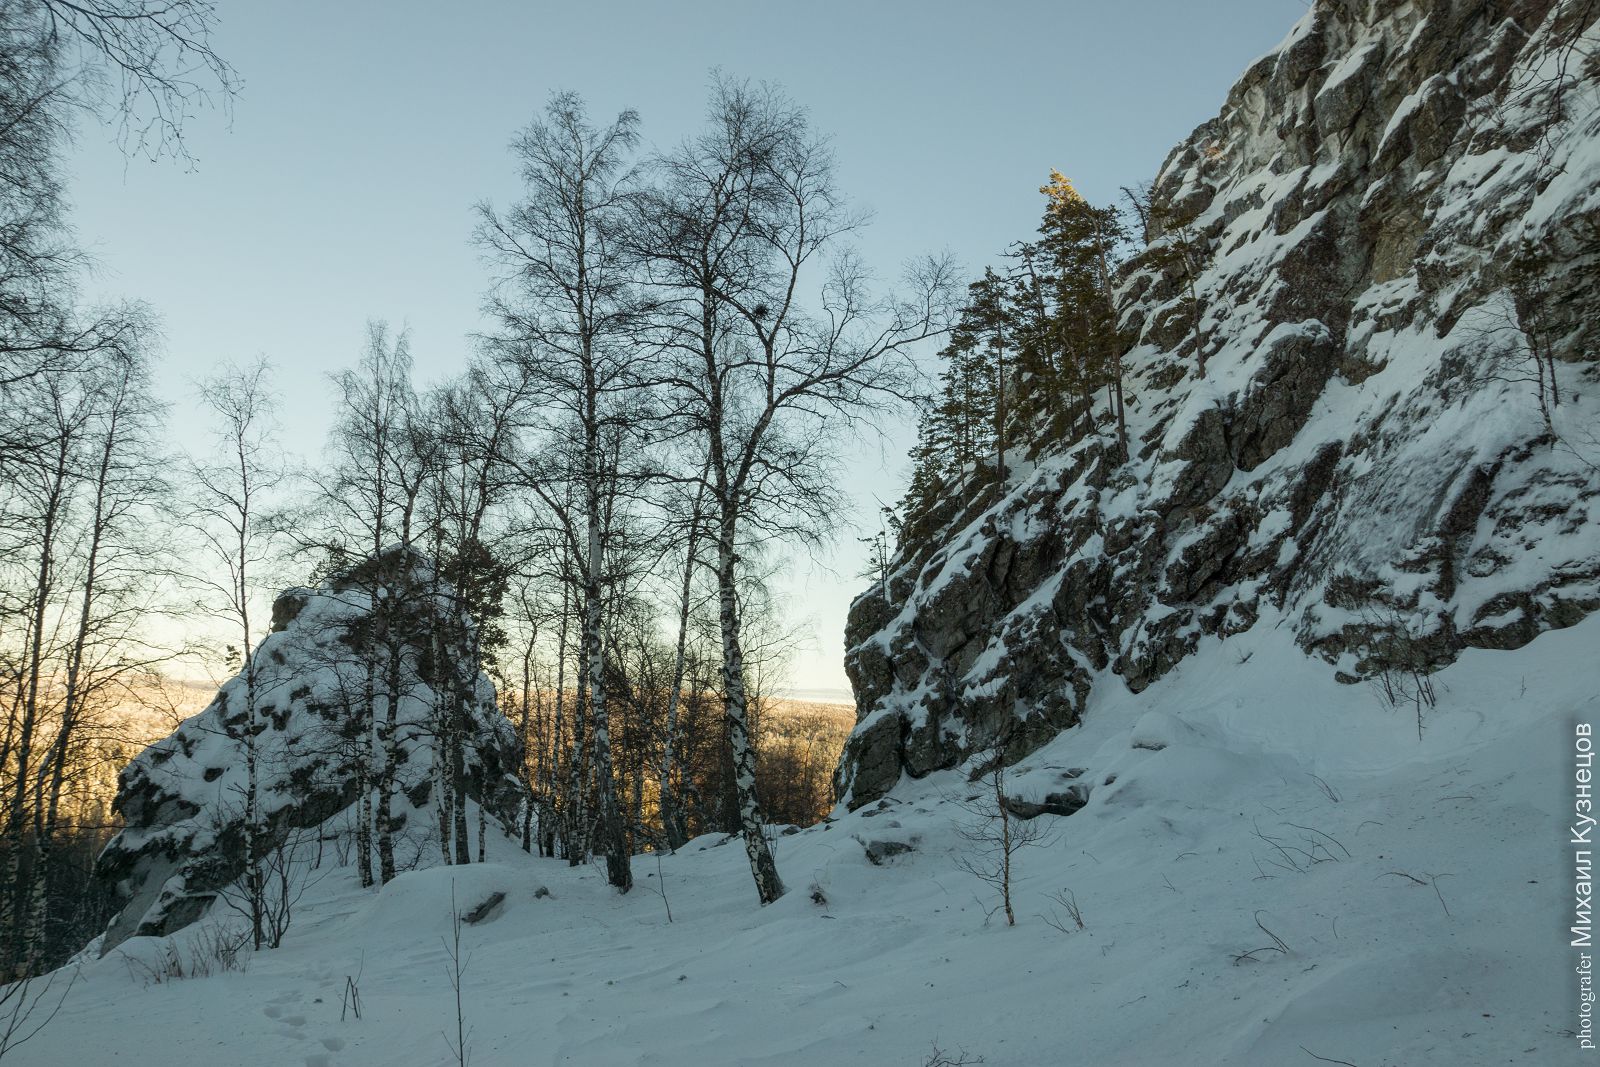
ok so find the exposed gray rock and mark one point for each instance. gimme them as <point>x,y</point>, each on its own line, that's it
<point>1296,362</point>
<point>1346,463</point>
<point>486,909</point>
<point>1064,803</point>
<point>181,799</point>
<point>1207,464</point>
<point>874,756</point>
<point>880,852</point>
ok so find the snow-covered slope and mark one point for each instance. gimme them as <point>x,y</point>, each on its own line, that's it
<point>1414,892</point>
<point>183,798</point>
<point>1276,860</point>
<point>1394,211</point>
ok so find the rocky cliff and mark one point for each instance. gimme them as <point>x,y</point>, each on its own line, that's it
<point>183,798</point>
<point>1362,401</point>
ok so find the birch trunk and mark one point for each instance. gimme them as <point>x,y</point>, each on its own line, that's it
<point>577,792</point>
<point>388,743</point>
<point>672,822</point>
<point>619,869</point>
<point>369,700</point>
<point>72,699</point>
<point>16,823</point>
<point>255,883</point>
<point>458,774</point>
<point>768,886</point>
<point>364,817</point>
<point>559,741</point>
<point>527,743</point>
<point>441,774</point>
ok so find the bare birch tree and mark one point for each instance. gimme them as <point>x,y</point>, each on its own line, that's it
<point>748,223</point>
<point>232,492</point>
<point>471,475</point>
<point>116,570</point>
<point>79,561</point>
<point>381,451</point>
<point>673,826</point>
<point>566,312</point>
<point>153,58</point>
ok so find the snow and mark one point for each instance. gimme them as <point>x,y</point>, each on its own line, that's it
<point>188,788</point>
<point>1244,803</point>
<point>1349,65</point>
<point>1247,747</point>
<point>1406,108</point>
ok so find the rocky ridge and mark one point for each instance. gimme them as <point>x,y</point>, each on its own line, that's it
<point>182,799</point>
<point>1394,213</point>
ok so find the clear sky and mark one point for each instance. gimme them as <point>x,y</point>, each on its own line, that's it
<point>367,130</point>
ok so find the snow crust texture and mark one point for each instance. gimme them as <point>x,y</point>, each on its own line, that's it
<point>1414,887</point>
<point>1394,210</point>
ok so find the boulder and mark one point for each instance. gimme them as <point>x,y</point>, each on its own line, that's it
<point>1063,803</point>
<point>880,852</point>
<point>182,800</point>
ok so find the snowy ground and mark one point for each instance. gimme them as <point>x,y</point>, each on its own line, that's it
<point>1469,967</point>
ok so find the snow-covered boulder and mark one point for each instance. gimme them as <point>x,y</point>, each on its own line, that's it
<point>183,798</point>
<point>1392,210</point>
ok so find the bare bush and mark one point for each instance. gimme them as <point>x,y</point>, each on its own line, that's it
<point>993,834</point>
<point>460,1050</point>
<point>959,1058</point>
<point>1402,665</point>
<point>269,898</point>
<point>212,949</point>
<point>1069,917</point>
<point>1430,880</point>
<point>1313,846</point>
<point>22,1002</point>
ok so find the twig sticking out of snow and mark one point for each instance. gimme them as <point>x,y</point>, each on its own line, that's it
<point>1431,880</point>
<point>1279,945</point>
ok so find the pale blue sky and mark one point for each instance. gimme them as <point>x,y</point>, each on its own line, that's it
<point>366,131</point>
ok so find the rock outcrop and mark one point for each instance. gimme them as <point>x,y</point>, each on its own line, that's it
<point>1393,233</point>
<point>183,799</point>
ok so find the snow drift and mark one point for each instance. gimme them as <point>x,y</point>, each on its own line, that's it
<point>1419,932</point>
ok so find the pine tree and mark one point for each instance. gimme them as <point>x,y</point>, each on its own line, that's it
<point>931,464</point>
<point>1078,242</point>
<point>1029,352</point>
<point>1043,384</point>
<point>986,325</point>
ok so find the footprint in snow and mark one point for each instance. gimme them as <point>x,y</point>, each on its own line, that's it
<point>279,1004</point>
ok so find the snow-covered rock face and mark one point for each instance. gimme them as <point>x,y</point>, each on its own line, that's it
<point>183,798</point>
<point>1365,457</point>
